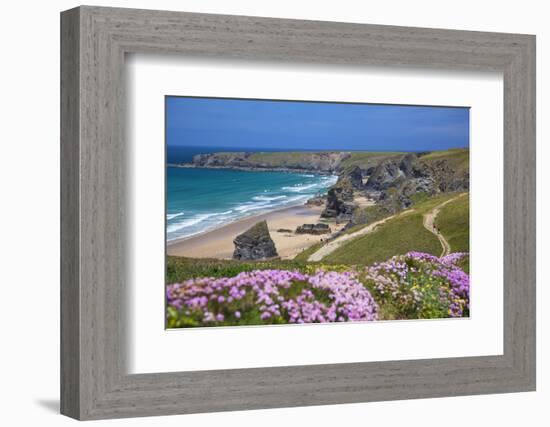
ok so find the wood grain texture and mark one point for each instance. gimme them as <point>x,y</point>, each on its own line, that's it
<point>70,291</point>
<point>94,381</point>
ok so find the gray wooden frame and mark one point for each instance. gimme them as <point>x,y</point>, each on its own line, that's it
<point>94,41</point>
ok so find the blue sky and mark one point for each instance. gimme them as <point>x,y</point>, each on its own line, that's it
<point>264,124</point>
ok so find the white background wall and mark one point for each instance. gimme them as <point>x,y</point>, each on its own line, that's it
<point>29,212</point>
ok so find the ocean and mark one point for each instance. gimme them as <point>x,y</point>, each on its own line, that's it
<point>201,199</point>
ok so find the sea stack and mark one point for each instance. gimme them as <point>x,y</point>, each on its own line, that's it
<point>339,203</point>
<point>255,244</point>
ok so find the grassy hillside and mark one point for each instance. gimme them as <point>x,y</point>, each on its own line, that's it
<point>397,236</point>
<point>179,269</point>
<point>277,159</point>
<point>281,159</point>
<point>454,223</point>
<point>458,158</point>
<point>306,253</point>
<point>366,159</point>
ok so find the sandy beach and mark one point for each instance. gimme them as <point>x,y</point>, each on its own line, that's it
<point>218,243</point>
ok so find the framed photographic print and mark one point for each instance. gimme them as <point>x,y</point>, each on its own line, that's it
<point>262,213</point>
<point>356,212</point>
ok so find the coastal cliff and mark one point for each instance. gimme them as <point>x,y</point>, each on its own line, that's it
<point>319,162</point>
<point>392,179</point>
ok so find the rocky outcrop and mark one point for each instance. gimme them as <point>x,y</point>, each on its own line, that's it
<point>398,179</point>
<point>356,177</point>
<point>319,162</point>
<point>385,175</point>
<point>391,172</point>
<point>346,211</point>
<point>445,177</point>
<point>339,202</point>
<point>222,159</point>
<point>407,164</point>
<point>318,228</point>
<point>383,170</point>
<point>255,244</point>
<point>400,197</point>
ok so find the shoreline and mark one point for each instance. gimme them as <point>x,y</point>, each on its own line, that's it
<point>250,217</point>
<point>218,242</point>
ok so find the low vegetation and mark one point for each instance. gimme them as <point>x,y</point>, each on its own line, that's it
<point>180,268</point>
<point>278,159</point>
<point>453,221</point>
<point>413,286</point>
<point>367,159</point>
<point>458,158</point>
<point>364,216</point>
<point>392,272</point>
<point>306,253</point>
<point>396,236</point>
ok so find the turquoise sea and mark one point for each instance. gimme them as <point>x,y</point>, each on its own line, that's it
<point>201,199</point>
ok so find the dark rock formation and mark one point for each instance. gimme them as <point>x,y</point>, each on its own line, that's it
<point>387,174</point>
<point>340,200</point>
<point>394,172</point>
<point>356,178</point>
<point>398,179</point>
<point>346,211</point>
<point>403,193</point>
<point>284,230</point>
<point>318,228</point>
<point>369,170</point>
<point>344,188</point>
<point>255,244</point>
<point>445,177</point>
<point>407,164</point>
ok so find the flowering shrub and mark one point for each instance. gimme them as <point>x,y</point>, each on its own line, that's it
<point>420,285</point>
<point>412,286</point>
<point>270,297</point>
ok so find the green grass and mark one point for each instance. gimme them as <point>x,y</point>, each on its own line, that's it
<point>306,253</point>
<point>180,268</point>
<point>427,204</point>
<point>423,203</point>
<point>395,237</point>
<point>367,216</point>
<point>458,158</point>
<point>366,159</point>
<point>276,159</point>
<point>281,159</point>
<point>453,221</point>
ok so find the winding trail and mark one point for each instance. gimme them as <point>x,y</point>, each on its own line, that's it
<point>331,246</point>
<point>429,220</point>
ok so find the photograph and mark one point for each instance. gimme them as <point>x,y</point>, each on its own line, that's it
<point>299,212</point>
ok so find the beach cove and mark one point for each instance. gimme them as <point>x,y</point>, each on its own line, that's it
<point>218,243</point>
<point>207,208</point>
